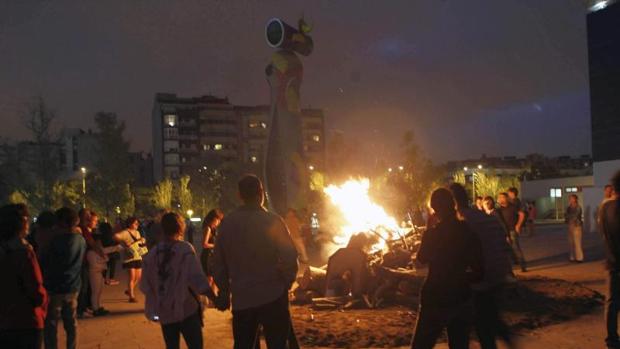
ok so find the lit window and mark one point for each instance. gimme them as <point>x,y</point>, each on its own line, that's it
<point>263,124</point>
<point>206,147</point>
<point>253,158</point>
<point>170,120</point>
<point>316,138</point>
<point>218,146</point>
<point>571,190</point>
<point>254,124</point>
<point>555,192</point>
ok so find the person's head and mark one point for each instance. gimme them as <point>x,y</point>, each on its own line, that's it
<point>66,218</point>
<point>173,226</point>
<point>105,228</point>
<point>608,191</point>
<point>442,202</point>
<point>213,218</point>
<point>489,204</point>
<point>93,220</point>
<point>46,220</point>
<point>251,190</point>
<point>479,203</point>
<point>132,223</point>
<point>573,200</point>
<point>14,221</point>
<point>513,193</point>
<point>502,199</point>
<point>460,195</point>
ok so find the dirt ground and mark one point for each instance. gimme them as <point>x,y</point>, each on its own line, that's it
<point>535,302</point>
<point>127,328</point>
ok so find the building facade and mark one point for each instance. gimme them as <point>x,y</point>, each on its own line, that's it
<point>604,69</point>
<point>194,134</point>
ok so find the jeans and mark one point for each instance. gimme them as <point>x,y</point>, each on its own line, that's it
<point>433,319</point>
<point>275,319</point>
<point>61,305</point>
<point>575,233</point>
<point>84,297</point>
<point>487,318</point>
<point>96,287</point>
<point>190,328</point>
<point>22,339</point>
<point>612,307</point>
<point>517,253</point>
<point>112,261</point>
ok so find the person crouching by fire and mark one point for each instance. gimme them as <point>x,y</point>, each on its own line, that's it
<point>453,254</point>
<point>347,268</point>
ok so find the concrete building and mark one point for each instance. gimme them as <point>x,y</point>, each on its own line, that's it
<point>141,165</point>
<point>79,149</point>
<point>604,55</point>
<point>551,196</point>
<point>199,133</point>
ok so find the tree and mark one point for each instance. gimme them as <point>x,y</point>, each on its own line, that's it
<point>162,195</point>
<point>183,193</point>
<point>39,119</point>
<point>112,172</point>
<point>65,194</point>
<point>409,184</point>
<point>487,183</point>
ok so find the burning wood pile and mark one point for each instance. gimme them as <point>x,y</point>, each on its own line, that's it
<point>374,263</point>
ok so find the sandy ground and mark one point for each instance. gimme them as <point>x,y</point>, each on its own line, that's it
<point>126,327</point>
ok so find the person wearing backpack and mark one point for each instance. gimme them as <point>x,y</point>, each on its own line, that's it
<point>173,280</point>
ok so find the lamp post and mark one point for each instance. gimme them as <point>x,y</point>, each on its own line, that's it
<point>83,170</point>
<point>473,180</point>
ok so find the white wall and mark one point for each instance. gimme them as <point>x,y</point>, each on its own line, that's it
<point>538,191</point>
<point>603,171</point>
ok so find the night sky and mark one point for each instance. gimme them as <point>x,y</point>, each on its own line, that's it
<point>469,77</point>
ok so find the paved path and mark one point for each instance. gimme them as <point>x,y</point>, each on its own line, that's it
<point>127,328</point>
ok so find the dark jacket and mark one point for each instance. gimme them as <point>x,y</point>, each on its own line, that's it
<point>62,264</point>
<point>454,257</point>
<point>23,300</point>
<point>495,248</point>
<point>609,226</point>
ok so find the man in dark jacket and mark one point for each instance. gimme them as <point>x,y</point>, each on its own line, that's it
<point>255,260</point>
<point>497,270</point>
<point>62,264</point>
<point>609,226</point>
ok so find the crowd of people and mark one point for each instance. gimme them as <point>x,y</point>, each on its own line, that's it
<point>249,261</point>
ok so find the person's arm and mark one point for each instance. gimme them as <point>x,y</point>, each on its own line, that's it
<point>33,280</point>
<point>520,220</point>
<point>196,277</point>
<point>220,271</point>
<point>476,259</point>
<point>206,236</point>
<point>287,252</point>
<point>423,255</point>
<point>119,237</point>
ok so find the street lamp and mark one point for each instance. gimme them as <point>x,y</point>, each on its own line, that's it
<point>190,213</point>
<point>311,168</point>
<point>473,179</point>
<point>83,170</point>
<point>400,168</point>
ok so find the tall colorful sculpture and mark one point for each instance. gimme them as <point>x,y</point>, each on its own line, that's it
<point>285,170</point>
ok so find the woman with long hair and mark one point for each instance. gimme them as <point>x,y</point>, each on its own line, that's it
<point>453,254</point>
<point>23,300</point>
<point>134,247</point>
<point>209,231</point>
<point>171,285</point>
